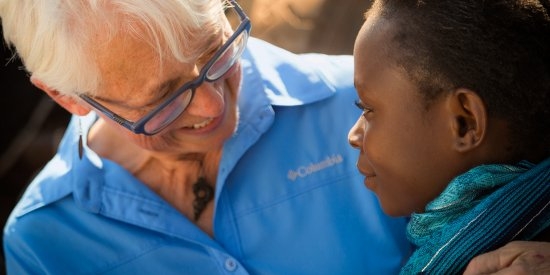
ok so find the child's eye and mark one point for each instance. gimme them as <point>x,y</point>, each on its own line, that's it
<point>362,107</point>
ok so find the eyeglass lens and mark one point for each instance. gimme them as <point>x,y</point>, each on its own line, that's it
<point>219,67</point>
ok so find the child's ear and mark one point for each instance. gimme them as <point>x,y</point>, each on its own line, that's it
<point>69,103</point>
<point>469,119</point>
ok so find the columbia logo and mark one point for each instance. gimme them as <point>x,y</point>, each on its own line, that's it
<point>304,171</point>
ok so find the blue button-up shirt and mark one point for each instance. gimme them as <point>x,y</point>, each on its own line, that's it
<point>288,197</point>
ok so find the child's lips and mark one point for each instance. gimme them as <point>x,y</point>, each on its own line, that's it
<point>365,173</point>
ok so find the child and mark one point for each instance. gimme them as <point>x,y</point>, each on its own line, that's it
<point>455,124</point>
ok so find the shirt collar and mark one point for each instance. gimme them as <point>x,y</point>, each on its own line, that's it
<point>287,79</point>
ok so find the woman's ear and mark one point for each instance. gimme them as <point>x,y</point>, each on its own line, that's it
<point>69,103</point>
<point>469,119</point>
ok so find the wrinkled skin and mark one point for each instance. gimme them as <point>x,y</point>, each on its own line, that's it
<point>514,258</point>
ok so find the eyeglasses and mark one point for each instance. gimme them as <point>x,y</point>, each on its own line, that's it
<point>169,110</point>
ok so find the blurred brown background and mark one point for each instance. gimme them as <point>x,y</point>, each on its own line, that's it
<point>32,124</point>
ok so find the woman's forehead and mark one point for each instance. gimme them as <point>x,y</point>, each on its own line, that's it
<point>128,48</point>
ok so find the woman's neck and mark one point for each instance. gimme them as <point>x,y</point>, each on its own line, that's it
<point>171,176</point>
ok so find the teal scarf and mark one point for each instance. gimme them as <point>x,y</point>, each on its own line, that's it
<point>480,210</point>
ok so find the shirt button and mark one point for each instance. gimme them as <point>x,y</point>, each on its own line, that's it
<point>230,264</point>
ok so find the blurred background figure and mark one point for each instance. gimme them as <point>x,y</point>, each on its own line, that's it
<point>326,26</point>
<point>33,124</point>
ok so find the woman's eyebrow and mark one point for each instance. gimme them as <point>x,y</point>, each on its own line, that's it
<point>165,89</point>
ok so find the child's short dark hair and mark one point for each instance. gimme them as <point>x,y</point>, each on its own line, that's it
<point>498,48</point>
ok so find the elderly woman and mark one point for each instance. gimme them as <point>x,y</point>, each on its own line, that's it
<point>194,148</point>
<point>455,97</point>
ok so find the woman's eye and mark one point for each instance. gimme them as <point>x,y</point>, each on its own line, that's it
<point>362,107</point>
<point>205,57</point>
<point>203,60</point>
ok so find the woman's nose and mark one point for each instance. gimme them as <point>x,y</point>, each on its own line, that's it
<point>208,100</point>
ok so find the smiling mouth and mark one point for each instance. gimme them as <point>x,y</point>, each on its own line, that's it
<point>365,173</point>
<point>201,124</point>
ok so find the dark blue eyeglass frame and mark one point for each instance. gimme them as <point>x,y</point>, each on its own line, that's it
<point>139,127</point>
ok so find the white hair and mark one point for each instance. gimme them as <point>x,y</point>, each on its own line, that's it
<point>56,38</point>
